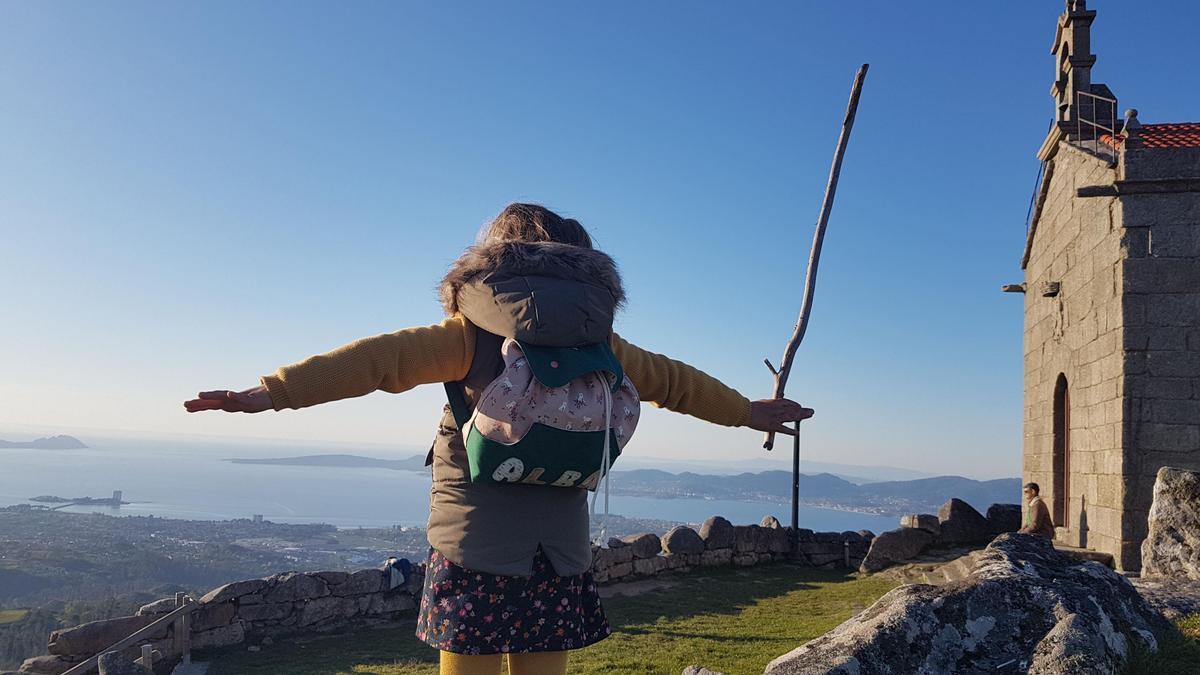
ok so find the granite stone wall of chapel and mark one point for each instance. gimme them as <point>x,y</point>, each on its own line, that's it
<point>1160,274</point>
<point>1077,334</point>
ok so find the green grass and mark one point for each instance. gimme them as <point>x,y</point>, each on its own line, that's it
<point>1176,656</point>
<point>12,615</point>
<point>732,621</point>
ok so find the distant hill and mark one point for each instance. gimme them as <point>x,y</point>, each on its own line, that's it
<point>414,463</point>
<point>60,442</point>
<point>855,473</point>
<point>923,495</point>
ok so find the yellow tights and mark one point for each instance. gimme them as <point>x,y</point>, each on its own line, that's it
<point>533,663</point>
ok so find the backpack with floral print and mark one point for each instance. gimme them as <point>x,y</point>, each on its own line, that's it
<point>554,416</point>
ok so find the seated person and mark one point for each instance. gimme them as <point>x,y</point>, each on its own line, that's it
<point>1037,516</point>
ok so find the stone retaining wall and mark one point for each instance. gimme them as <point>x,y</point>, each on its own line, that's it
<point>290,603</point>
<point>720,544</point>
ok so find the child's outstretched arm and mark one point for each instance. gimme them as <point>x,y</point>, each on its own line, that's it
<point>675,385</point>
<point>393,362</point>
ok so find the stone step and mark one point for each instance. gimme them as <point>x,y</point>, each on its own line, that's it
<point>1105,559</point>
<point>193,668</point>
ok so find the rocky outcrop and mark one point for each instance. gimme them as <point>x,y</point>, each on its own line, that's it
<point>1004,518</point>
<point>1172,547</point>
<point>48,665</point>
<point>717,533</point>
<point>1025,608</point>
<point>922,521</point>
<point>90,638</point>
<point>644,545</point>
<point>117,663</point>
<point>895,546</point>
<point>682,539</point>
<point>1176,598</point>
<point>956,524</point>
<point>962,524</point>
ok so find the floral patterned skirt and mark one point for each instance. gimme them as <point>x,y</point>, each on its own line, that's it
<point>475,613</point>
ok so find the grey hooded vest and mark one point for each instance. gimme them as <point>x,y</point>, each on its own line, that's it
<point>543,294</point>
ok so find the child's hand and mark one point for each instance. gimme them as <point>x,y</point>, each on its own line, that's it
<point>250,401</point>
<point>772,414</point>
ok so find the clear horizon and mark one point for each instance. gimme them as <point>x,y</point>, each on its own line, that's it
<point>198,194</point>
<point>20,433</point>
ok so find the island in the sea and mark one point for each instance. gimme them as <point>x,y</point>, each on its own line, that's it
<point>60,442</point>
<point>414,463</point>
<point>115,500</point>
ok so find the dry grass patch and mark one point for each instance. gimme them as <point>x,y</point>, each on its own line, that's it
<point>733,621</point>
<point>12,615</point>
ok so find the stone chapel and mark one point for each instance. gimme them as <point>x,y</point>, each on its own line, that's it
<point>1112,306</point>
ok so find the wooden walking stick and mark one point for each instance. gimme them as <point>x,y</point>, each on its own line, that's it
<point>810,280</point>
<point>810,284</point>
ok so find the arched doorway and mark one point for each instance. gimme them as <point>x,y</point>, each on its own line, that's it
<point>1062,452</point>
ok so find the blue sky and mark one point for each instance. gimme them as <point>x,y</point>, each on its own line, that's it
<point>194,194</point>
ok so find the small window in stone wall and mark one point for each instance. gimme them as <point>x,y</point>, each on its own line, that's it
<point>1062,452</point>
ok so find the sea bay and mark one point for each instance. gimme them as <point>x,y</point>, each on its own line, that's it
<point>190,479</point>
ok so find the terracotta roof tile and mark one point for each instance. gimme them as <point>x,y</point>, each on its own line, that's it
<point>1178,135</point>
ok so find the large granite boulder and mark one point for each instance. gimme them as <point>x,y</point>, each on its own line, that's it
<point>895,546</point>
<point>717,533</point>
<point>117,663</point>
<point>1025,608</point>
<point>235,590</point>
<point>295,586</point>
<point>90,638</point>
<point>644,545</point>
<point>682,539</point>
<point>922,521</point>
<point>47,665</point>
<point>1172,548</point>
<point>962,524</point>
<point>746,539</point>
<point>1004,518</point>
<point>361,583</point>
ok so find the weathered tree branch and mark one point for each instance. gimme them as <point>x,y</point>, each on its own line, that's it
<point>814,258</point>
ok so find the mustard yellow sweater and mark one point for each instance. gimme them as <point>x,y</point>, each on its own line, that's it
<point>396,362</point>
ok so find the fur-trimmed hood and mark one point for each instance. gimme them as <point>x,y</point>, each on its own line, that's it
<point>541,293</point>
<point>544,259</point>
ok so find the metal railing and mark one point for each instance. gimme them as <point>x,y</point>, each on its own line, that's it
<point>1096,125</point>
<point>1033,198</point>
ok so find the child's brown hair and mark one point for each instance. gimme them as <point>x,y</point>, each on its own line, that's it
<point>533,223</point>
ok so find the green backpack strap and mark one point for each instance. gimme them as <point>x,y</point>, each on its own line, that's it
<point>458,405</point>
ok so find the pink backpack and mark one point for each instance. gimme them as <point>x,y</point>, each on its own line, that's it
<point>554,416</point>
